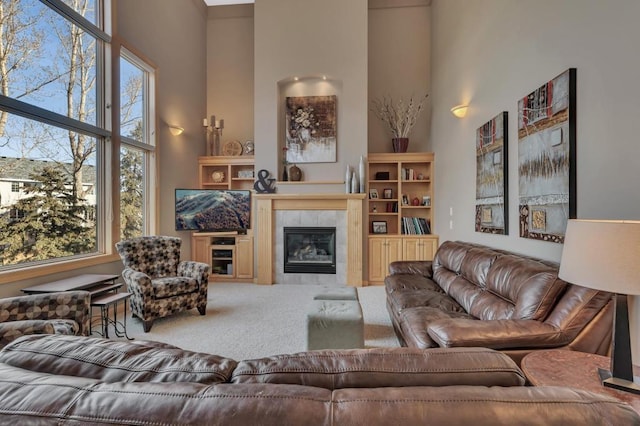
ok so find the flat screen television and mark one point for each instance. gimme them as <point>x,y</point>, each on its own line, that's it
<point>213,210</point>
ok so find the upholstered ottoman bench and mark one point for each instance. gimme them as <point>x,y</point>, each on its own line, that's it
<point>336,293</point>
<point>335,324</point>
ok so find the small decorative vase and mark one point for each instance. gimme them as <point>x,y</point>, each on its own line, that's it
<point>347,180</point>
<point>400,144</point>
<point>295,174</point>
<point>285,174</point>
<point>355,186</point>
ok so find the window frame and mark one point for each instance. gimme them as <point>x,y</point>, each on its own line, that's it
<point>107,148</point>
<point>150,197</point>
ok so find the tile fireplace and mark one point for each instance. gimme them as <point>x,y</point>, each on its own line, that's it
<point>309,249</point>
<point>276,211</point>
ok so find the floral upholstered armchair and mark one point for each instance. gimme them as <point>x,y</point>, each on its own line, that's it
<point>161,285</point>
<point>66,312</point>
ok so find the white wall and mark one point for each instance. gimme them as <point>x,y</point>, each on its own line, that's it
<point>399,67</point>
<point>230,70</point>
<point>309,38</point>
<point>490,53</point>
<point>173,36</point>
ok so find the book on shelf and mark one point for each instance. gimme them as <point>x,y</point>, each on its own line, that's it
<point>407,173</point>
<point>415,226</point>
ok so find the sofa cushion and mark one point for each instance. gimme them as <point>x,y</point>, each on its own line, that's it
<point>393,283</point>
<point>414,323</point>
<point>26,398</point>
<point>65,326</point>
<point>113,361</point>
<point>532,287</point>
<point>401,300</point>
<point>477,405</point>
<point>390,367</point>
<point>10,331</point>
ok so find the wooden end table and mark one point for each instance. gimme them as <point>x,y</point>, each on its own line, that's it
<point>574,369</point>
<point>106,301</point>
<point>94,283</point>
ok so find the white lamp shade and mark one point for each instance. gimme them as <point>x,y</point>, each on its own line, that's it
<point>603,255</point>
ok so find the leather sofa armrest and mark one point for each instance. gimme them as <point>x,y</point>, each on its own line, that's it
<point>115,361</point>
<point>495,334</point>
<point>419,267</point>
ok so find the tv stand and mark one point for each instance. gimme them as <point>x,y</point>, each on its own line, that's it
<point>229,254</point>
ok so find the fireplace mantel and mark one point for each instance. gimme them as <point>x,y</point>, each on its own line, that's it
<point>268,204</point>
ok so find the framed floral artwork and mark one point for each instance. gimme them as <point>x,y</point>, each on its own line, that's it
<point>547,159</point>
<point>311,128</point>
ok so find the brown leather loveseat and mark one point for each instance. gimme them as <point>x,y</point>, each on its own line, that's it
<point>476,296</point>
<point>72,380</point>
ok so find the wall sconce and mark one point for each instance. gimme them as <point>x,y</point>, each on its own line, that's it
<point>459,110</point>
<point>176,130</point>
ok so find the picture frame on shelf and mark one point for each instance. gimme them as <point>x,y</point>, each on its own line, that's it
<point>387,193</point>
<point>373,193</point>
<point>426,200</point>
<point>379,226</point>
<point>405,200</point>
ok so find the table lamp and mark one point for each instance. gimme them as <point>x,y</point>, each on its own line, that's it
<point>605,255</point>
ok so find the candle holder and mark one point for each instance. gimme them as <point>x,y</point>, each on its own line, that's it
<point>214,133</point>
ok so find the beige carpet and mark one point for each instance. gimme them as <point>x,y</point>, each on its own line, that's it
<point>251,321</point>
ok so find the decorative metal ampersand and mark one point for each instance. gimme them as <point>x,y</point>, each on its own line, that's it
<point>264,184</point>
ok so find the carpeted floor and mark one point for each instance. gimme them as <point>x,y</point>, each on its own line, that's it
<point>246,321</point>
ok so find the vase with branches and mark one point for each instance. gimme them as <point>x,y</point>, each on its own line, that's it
<point>400,117</point>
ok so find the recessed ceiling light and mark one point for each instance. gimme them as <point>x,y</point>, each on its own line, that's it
<point>226,2</point>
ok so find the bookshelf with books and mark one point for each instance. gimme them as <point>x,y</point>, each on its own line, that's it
<point>400,210</point>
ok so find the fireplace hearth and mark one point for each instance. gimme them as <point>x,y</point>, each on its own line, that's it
<point>310,250</point>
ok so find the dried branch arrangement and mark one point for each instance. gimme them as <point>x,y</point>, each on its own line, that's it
<point>400,117</point>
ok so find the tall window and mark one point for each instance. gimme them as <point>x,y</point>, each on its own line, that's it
<point>137,145</point>
<point>53,132</point>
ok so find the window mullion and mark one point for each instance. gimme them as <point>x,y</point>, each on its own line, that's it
<point>33,112</point>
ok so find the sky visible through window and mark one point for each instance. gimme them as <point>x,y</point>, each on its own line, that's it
<point>44,67</point>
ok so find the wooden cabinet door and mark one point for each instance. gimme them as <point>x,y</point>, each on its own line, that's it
<point>394,252</point>
<point>383,251</point>
<point>244,257</point>
<point>419,248</point>
<point>201,249</point>
<point>412,249</point>
<point>377,259</point>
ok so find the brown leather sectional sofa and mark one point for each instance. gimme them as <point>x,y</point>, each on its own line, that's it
<point>477,296</point>
<point>74,380</point>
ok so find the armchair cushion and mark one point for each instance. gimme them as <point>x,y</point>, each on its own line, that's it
<point>173,286</point>
<point>49,313</point>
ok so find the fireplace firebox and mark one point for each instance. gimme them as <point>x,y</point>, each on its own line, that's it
<point>310,250</point>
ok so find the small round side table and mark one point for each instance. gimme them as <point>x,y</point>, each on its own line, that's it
<point>573,369</point>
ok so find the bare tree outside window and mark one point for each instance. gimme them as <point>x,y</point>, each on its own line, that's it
<point>50,62</point>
